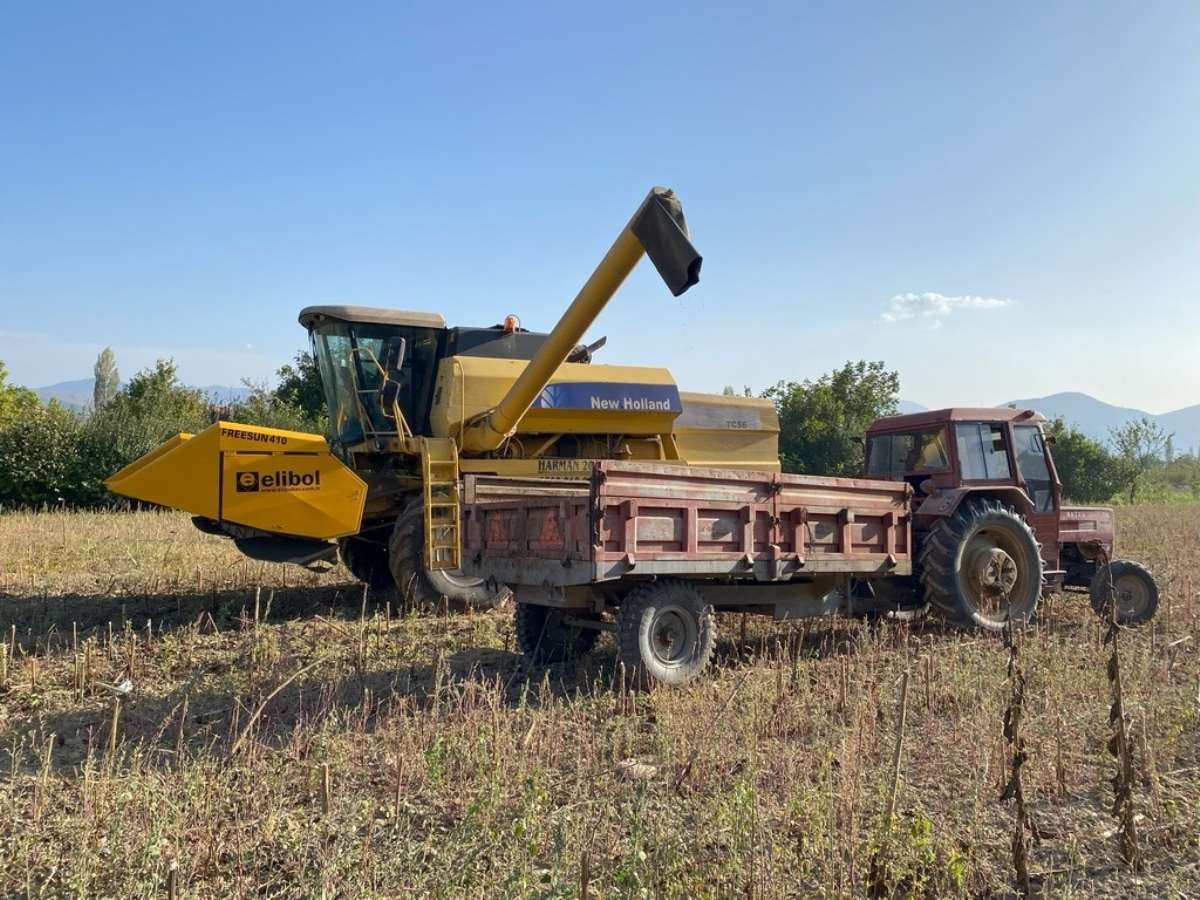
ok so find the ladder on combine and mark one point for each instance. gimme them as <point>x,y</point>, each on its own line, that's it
<point>439,471</point>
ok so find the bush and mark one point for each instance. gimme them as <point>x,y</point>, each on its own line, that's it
<point>38,450</point>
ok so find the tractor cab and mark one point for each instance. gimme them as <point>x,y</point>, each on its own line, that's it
<point>947,453</point>
<point>952,448</point>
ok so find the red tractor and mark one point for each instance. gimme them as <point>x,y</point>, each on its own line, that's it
<point>991,530</point>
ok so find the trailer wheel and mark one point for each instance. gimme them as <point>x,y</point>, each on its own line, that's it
<point>982,566</point>
<point>546,639</point>
<point>367,561</point>
<point>1135,588</point>
<point>406,552</point>
<point>665,633</point>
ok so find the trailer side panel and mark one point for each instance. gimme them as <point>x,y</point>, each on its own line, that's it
<point>652,519</point>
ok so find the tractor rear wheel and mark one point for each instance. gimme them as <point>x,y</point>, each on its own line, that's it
<point>1135,589</point>
<point>367,561</point>
<point>545,638</point>
<point>406,558</point>
<point>665,633</point>
<point>982,566</point>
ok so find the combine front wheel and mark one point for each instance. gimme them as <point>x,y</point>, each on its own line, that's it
<point>982,566</point>
<point>406,557</point>
<point>366,560</point>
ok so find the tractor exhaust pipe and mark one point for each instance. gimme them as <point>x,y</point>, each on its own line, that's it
<point>657,229</point>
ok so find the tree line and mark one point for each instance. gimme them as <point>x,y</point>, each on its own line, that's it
<point>51,455</point>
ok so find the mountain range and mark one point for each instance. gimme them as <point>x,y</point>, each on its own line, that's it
<point>78,394</point>
<point>1097,419</point>
<point>1093,417</point>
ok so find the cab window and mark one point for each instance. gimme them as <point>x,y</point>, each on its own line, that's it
<point>1031,460</point>
<point>907,452</point>
<point>982,453</point>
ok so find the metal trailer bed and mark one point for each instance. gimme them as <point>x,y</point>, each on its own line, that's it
<point>786,545</point>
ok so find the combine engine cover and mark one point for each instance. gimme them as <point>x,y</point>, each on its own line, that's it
<point>283,482</point>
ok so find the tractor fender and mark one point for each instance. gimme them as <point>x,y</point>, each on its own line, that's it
<point>945,502</point>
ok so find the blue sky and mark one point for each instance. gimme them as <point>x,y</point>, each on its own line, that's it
<point>998,200</point>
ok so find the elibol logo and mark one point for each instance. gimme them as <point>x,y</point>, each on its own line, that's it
<point>286,480</point>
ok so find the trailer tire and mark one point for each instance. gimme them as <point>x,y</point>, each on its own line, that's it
<point>665,633</point>
<point>367,561</point>
<point>546,639</point>
<point>406,552</point>
<point>1137,592</point>
<point>975,559</point>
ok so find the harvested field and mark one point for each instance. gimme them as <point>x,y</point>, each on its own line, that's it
<point>282,734</point>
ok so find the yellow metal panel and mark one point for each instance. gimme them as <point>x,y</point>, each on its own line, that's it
<point>266,478</point>
<point>309,495</point>
<point>469,385</point>
<point>181,473</point>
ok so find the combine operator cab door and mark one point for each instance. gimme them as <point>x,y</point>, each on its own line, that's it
<point>350,356</point>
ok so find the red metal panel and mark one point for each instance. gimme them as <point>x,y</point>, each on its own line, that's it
<point>650,511</point>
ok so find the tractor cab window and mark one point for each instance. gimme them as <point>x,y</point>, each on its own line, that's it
<point>1031,460</point>
<point>981,451</point>
<point>907,453</point>
<point>348,356</point>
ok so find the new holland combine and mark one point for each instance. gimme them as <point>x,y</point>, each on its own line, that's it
<point>415,405</point>
<point>466,463</point>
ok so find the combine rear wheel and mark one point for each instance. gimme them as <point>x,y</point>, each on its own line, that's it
<point>406,557</point>
<point>1135,589</point>
<point>982,566</point>
<point>665,633</point>
<point>545,638</point>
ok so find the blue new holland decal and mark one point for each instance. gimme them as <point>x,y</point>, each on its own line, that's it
<point>610,396</point>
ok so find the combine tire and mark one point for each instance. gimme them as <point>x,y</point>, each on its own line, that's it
<point>982,566</point>
<point>1137,593</point>
<point>665,633</point>
<point>546,639</point>
<point>406,555</point>
<point>367,561</point>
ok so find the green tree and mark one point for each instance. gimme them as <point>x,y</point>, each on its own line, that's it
<point>38,451</point>
<point>822,422</point>
<point>107,379</point>
<point>1087,470</point>
<point>265,407</point>
<point>1140,445</point>
<point>300,387</point>
<point>148,410</point>
<point>15,401</point>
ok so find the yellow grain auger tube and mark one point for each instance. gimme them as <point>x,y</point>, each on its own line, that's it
<point>414,405</point>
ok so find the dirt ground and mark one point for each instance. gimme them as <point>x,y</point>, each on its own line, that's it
<point>174,717</point>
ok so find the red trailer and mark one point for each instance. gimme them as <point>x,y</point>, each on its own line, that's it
<point>663,546</point>
<point>965,517</point>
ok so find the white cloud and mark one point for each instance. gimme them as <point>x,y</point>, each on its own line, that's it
<point>934,306</point>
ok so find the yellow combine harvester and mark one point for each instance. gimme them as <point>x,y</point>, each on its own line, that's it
<point>415,405</point>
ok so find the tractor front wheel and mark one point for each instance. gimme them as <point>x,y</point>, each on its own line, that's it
<point>406,558</point>
<point>1135,590</point>
<point>982,567</point>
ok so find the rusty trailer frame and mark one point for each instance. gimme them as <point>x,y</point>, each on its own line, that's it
<point>644,520</point>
